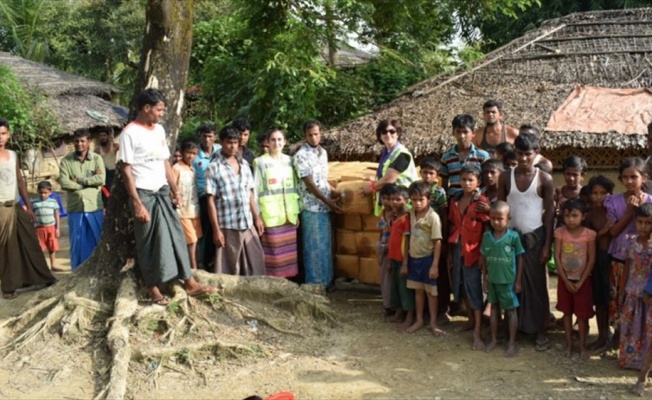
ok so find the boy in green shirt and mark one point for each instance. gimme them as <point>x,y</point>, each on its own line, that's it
<point>501,262</point>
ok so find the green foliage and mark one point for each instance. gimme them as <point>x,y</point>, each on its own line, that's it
<point>32,123</point>
<point>21,27</point>
<point>504,28</point>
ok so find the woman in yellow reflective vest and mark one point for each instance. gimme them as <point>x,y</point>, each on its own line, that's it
<point>278,199</point>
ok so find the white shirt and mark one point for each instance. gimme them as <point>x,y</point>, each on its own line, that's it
<point>8,182</point>
<point>146,151</point>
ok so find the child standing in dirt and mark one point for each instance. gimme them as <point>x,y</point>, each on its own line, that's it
<point>429,170</point>
<point>185,177</point>
<point>575,257</point>
<point>385,220</point>
<point>635,324</point>
<point>639,388</point>
<point>620,213</point>
<point>574,168</point>
<point>424,250</point>
<point>402,298</point>
<point>502,270</point>
<point>47,223</point>
<point>600,187</point>
<point>466,230</point>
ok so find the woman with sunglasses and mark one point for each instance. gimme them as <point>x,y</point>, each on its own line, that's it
<point>396,163</point>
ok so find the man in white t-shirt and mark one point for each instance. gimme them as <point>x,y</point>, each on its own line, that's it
<point>160,244</point>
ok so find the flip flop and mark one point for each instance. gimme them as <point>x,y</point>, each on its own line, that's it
<point>542,344</point>
<point>161,301</point>
<point>202,290</point>
<point>9,295</point>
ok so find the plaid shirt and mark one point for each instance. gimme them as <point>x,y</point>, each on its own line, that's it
<point>230,192</point>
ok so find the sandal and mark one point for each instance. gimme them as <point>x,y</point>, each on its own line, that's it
<point>9,295</point>
<point>542,344</point>
<point>161,301</point>
<point>202,290</point>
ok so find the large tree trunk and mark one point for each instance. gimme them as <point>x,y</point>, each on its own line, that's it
<point>166,56</point>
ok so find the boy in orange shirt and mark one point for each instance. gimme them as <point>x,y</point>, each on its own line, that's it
<point>467,225</point>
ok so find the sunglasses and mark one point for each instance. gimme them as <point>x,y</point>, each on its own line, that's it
<point>389,132</point>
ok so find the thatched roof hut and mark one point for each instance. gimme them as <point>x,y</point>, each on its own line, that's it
<point>533,76</point>
<point>78,103</point>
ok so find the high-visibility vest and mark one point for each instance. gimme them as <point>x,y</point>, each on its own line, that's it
<point>278,197</point>
<point>405,178</point>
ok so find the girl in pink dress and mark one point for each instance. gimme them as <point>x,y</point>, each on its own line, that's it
<point>635,329</point>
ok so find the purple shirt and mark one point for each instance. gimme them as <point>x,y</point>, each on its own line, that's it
<point>616,209</point>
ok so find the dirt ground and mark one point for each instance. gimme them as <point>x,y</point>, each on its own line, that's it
<point>363,358</point>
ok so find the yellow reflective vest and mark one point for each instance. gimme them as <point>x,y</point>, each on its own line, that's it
<point>405,178</point>
<point>278,197</point>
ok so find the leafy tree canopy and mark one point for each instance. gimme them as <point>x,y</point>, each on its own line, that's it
<point>505,28</point>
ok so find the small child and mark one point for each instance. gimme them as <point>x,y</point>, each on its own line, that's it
<point>466,230</point>
<point>385,220</point>
<point>176,157</point>
<point>429,169</point>
<point>641,383</point>
<point>491,170</point>
<point>402,298</point>
<point>635,327</point>
<point>600,187</point>
<point>502,149</point>
<point>184,174</point>
<point>263,143</point>
<point>573,168</point>
<point>502,270</point>
<point>632,172</point>
<point>509,160</point>
<point>575,257</point>
<point>46,212</point>
<point>424,249</point>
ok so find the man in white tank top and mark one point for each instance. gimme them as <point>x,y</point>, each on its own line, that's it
<point>529,193</point>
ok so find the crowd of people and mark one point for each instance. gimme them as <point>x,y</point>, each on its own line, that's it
<point>475,231</point>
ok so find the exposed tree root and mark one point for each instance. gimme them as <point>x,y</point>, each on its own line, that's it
<point>126,305</point>
<point>217,348</point>
<point>248,313</point>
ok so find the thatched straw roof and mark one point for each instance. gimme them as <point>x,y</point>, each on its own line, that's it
<point>533,76</point>
<point>77,102</point>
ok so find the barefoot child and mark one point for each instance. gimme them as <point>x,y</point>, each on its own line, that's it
<point>385,220</point>
<point>46,221</point>
<point>430,168</point>
<point>600,187</point>
<point>635,327</point>
<point>502,269</point>
<point>575,257</point>
<point>423,255</point>
<point>639,388</point>
<point>402,298</point>
<point>620,213</point>
<point>184,175</point>
<point>466,230</point>
<point>573,168</point>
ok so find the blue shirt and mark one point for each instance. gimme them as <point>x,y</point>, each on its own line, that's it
<point>200,165</point>
<point>452,165</point>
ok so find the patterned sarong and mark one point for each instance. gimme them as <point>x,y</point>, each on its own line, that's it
<point>280,247</point>
<point>317,251</point>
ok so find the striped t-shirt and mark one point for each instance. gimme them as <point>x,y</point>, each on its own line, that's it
<point>44,211</point>
<point>452,165</point>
